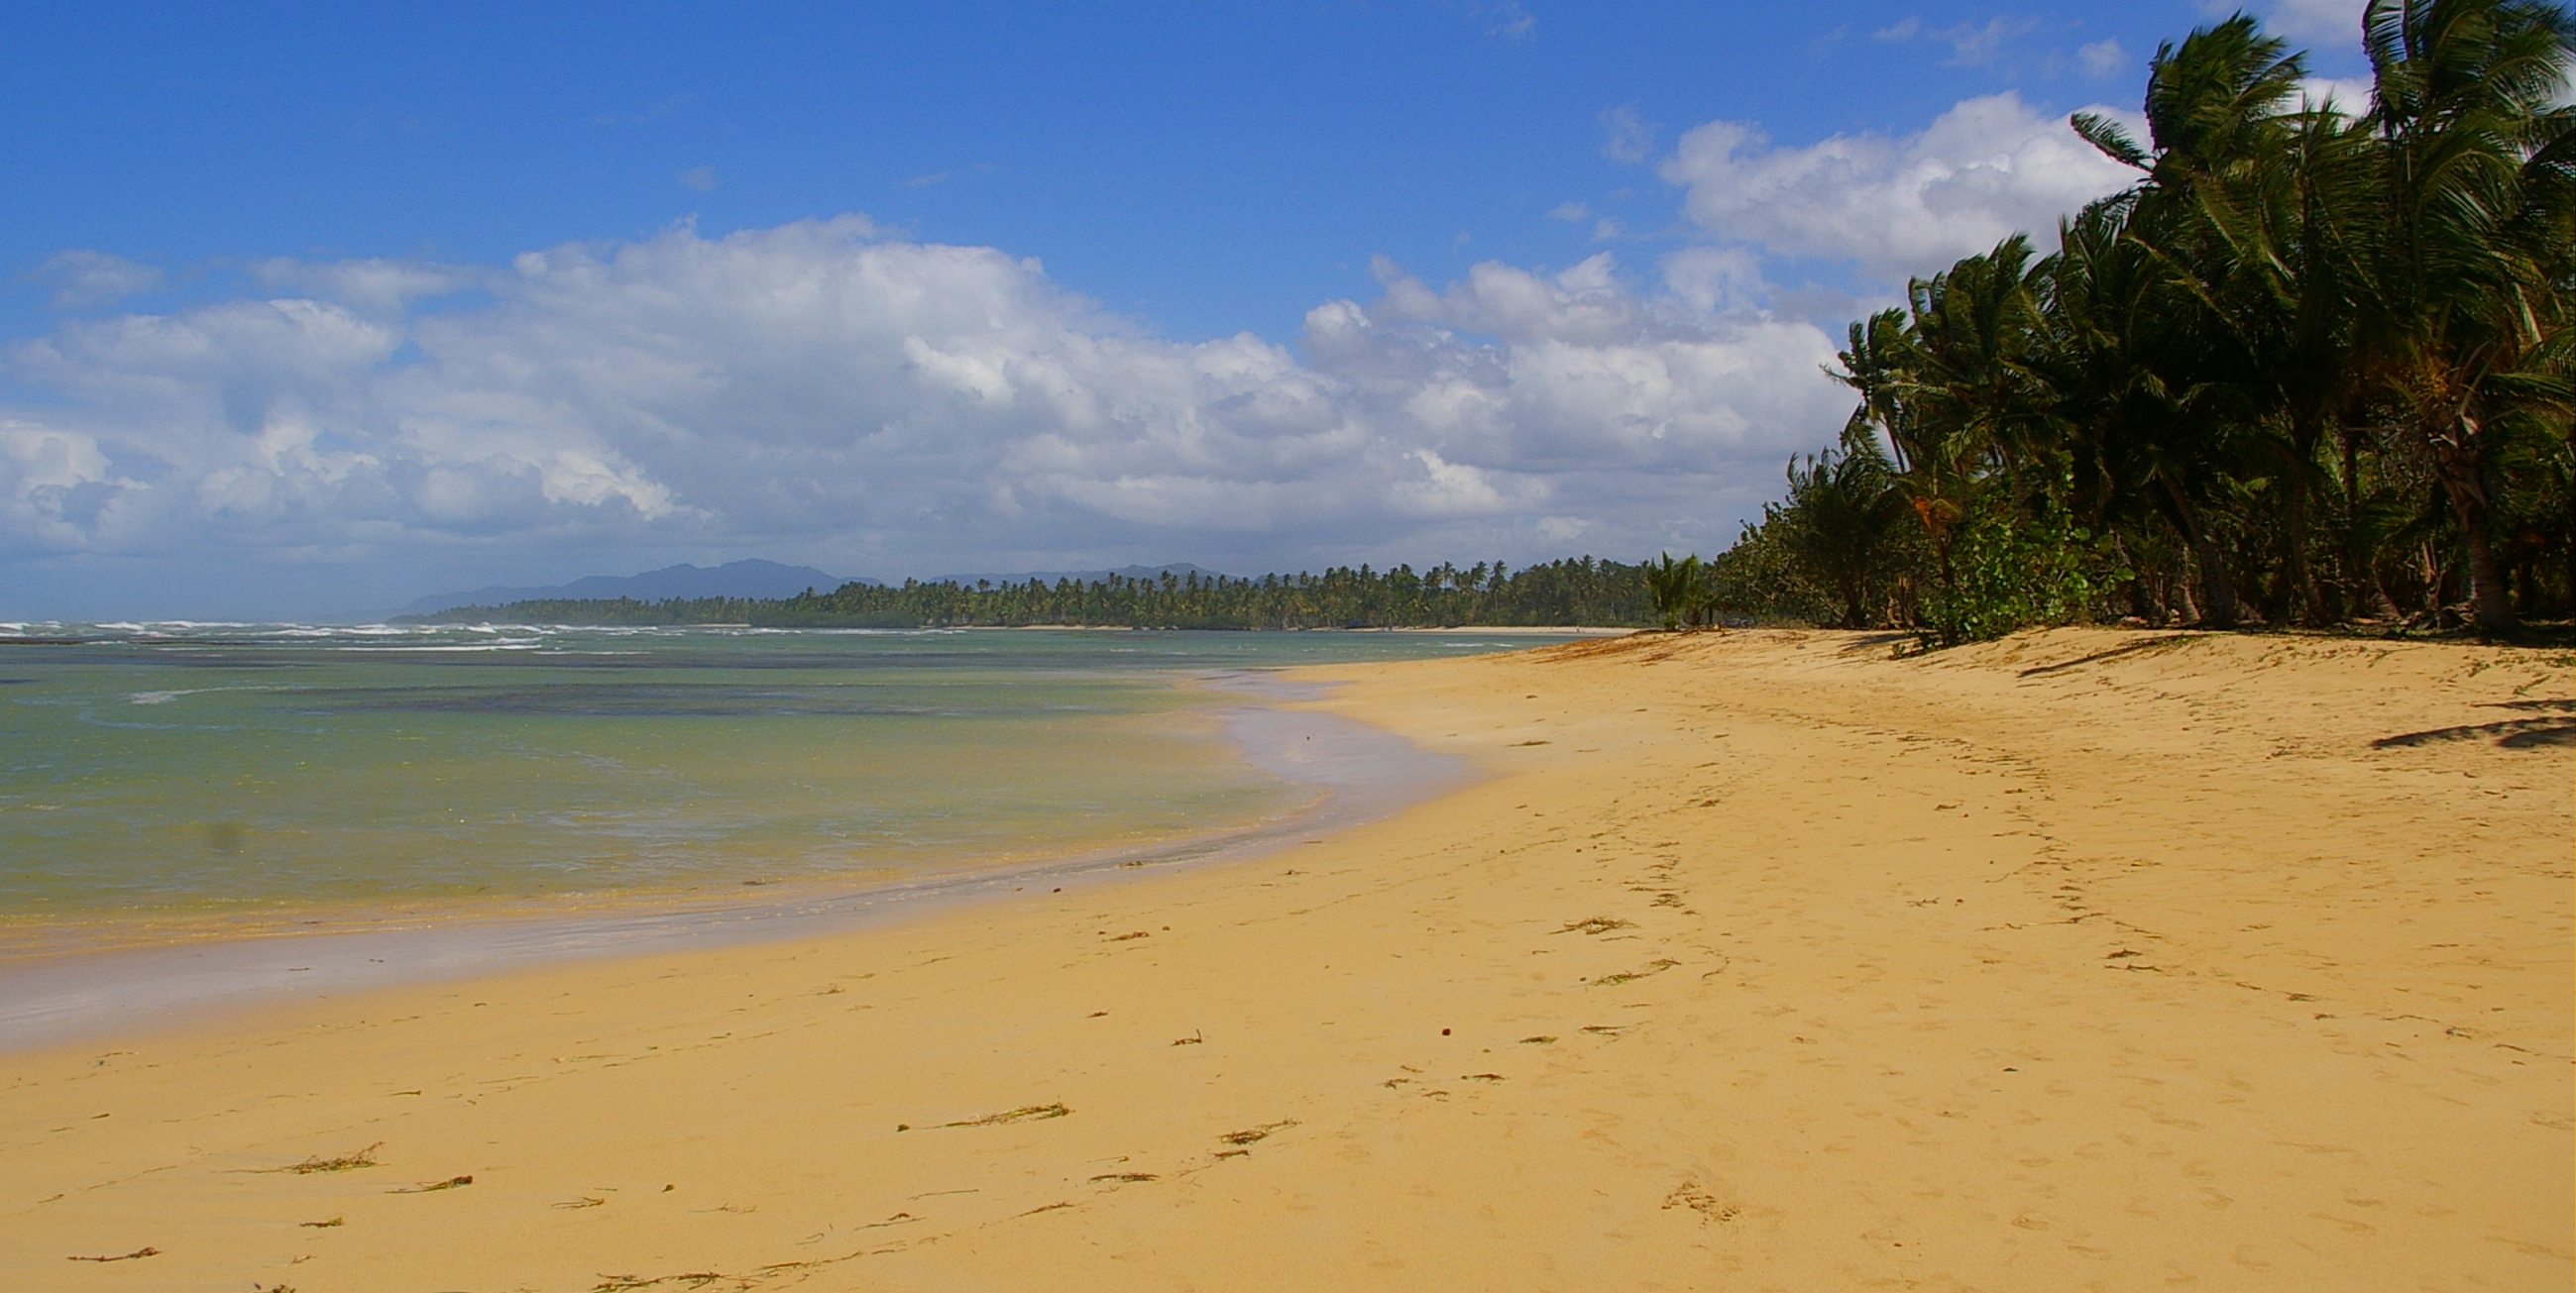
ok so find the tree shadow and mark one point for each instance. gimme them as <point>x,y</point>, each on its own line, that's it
<point>1873,641</point>
<point>2163,643</point>
<point>2510,734</point>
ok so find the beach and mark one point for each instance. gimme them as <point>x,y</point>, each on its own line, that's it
<point>1752,960</point>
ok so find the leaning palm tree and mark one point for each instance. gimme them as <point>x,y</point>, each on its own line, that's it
<point>2464,308</point>
<point>1949,384</point>
<point>2199,306</point>
<point>2139,370</point>
<point>2255,209</point>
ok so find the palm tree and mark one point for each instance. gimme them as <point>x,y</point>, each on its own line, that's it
<point>1948,383</point>
<point>2249,212</point>
<point>1673,587</point>
<point>2297,317</point>
<point>1841,507</point>
<point>2463,306</point>
<point>2129,358</point>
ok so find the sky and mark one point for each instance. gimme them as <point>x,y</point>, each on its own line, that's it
<point>310,310</point>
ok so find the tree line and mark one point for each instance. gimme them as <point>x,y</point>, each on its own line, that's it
<point>2313,367</point>
<point>1575,591</point>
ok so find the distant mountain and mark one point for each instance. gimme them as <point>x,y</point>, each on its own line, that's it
<point>1178,570</point>
<point>748,578</point>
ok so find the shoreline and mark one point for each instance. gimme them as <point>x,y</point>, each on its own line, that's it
<point>1753,960</point>
<point>1353,772</point>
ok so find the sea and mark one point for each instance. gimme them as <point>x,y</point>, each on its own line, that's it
<point>164,782</point>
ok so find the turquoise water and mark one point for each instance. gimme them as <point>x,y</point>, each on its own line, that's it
<point>161,771</point>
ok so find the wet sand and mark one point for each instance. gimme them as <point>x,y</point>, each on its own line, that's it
<point>1762,960</point>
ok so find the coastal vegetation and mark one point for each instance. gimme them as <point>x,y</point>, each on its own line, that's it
<point>1579,590</point>
<point>2313,367</point>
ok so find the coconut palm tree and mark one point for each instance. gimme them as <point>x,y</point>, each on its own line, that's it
<point>2463,302</point>
<point>1948,383</point>
<point>1673,587</point>
<point>2149,423</point>
<point>1842,505</point>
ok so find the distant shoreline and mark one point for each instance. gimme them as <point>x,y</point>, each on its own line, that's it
<point>1556,594</point>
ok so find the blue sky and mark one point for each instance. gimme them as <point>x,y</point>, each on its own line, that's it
<point>320,308</point>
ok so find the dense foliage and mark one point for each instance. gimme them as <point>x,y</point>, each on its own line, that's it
<point>2313,367</point>
<point>1574,591</point>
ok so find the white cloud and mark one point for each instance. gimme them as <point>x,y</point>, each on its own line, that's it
<point>373,286</point>
<point>699,178</point>
<point>56,487</point>
<point>1894,206</point>
<point>2349,93</point>
<point>827,390</point>
<point>1581,375</point>
<point>2103,57</point>
<point>1714,281</point>
<point>1570,212</point>
<point>82,278</point>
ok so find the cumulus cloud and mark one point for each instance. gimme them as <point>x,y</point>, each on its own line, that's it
<point>82,278</point>
<point>827,389</point>
<point>1894,205</point>
<point>1717,280</point>
<point>2349,93</point>
<point>2103,57</point>
<point>1580,373</point>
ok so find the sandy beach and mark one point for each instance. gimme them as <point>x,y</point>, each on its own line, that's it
<point>1760,960</point>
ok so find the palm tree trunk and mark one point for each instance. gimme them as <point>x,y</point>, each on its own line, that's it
<point>2213,563</point>
<point>2303,441</point>
<point>2456,458</point>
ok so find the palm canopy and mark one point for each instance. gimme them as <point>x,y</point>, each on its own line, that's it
<point>2462,294</point>
<point>2317,352</point>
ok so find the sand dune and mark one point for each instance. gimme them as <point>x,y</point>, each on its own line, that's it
<point>1764,960</point>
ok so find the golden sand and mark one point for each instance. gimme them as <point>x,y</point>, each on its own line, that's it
<point>1762,961</point>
